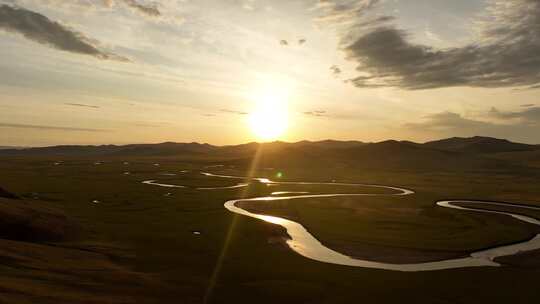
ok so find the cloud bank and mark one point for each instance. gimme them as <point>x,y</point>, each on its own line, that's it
<point>506,52</point>
<point>529,116</point>
<point>523,125</point>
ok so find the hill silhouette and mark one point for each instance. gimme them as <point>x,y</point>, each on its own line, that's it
<point>480,144</point>
<point>447,154</point>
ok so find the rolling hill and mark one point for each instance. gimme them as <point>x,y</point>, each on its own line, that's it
<point>479,144</point>
<point>461,154</point>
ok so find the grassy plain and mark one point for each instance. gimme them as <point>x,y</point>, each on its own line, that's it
<point>137,243</point>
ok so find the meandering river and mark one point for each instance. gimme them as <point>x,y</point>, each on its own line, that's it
<point>304,243</point>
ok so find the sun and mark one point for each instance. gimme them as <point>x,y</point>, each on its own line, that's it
<point>269,118</point>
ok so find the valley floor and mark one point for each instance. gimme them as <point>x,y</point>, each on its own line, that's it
<point>137,243</point>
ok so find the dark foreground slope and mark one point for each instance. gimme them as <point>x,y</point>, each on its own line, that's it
<point>6,194</point>
<point>22,220</point>
<point>33,221</point>
<point>44,260</point>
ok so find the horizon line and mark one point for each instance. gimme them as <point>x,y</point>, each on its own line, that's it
<point>21,147</point>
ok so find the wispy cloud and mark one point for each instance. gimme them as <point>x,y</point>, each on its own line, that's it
<point>141,7</point>
<point>49,128</point>
<point>447,121</point>
<point>333,115</point>
<point>39,28</point>
<point>335,70</point>
<point>317,113</point>
<point>343,11</point>
<point>233,112</point>
<point>150,10</point>
<point>82,105</point>
<point>149,124</point>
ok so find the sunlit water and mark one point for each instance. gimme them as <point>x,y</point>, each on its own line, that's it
<point>154,183</point>
<point>305,244</point>
<point>242,185</point>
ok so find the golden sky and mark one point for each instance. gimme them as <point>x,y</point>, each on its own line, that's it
<point>233,71</point>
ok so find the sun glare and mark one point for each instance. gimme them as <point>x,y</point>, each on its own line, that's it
<point>269,118</point>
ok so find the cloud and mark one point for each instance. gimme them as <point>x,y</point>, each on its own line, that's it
<point>233,112</point>
<point>343,11</point>
<point>39,28</point>
<point>335,116</point>
<point>148,125</point>
<point>451,120</point>
<point>141,7</point>
<point>528,105</point>
<point>150,10</point>
<point>522,126</point>
<point>335,70</point>
<point>530,115</point>
<point>53,128</point>
<point>248,5</point>
<point>447,121</point>
<point>506,53</point>
<point>81,105</point>
<point>318,113</point>
<point>373,22</point>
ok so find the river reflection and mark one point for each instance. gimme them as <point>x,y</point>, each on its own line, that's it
<point>305,244</point>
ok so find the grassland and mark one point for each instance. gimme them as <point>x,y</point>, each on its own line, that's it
<point>136,244</point>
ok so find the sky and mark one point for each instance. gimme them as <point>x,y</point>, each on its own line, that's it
<point>233,71</point>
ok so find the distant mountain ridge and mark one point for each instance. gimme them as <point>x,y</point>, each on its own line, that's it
<point>161,149</point>
<point>477,144</point>
<point>446,154</point>
<point>11,147</point>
